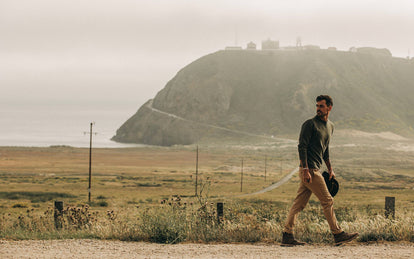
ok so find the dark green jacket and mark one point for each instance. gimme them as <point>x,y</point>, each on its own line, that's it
<point>314,141</point>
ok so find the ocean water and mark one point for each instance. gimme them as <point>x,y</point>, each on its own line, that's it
<point>48,125</point>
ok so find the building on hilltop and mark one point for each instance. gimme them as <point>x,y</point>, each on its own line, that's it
<point>251,46</point>
<point>332,49</point>
<point>375,51</point>
<point>270,44</point>
<point>371,50</point>
<point>353,49</point>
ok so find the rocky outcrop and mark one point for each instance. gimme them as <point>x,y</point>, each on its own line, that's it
<point>272,93</point>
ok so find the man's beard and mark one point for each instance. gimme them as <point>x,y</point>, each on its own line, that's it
<point>320,114</point>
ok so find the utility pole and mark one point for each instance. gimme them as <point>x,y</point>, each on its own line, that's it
<point>90,160</point>
<point>241,180</point>
<point>196,181</point>
<point>265,166</point>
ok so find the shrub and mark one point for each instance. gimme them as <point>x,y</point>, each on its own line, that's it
<point>19,205</point>
<point>103,204</point>
<point>165,224</point>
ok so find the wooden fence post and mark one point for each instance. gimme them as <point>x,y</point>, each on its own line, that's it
<point>220,207</point>
<point>390,207</point>
<point>58,214</point>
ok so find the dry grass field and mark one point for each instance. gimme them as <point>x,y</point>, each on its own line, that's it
<point>138,175</point>
<point>134,182</point>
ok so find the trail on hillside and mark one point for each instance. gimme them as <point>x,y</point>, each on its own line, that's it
<point>149,106</point>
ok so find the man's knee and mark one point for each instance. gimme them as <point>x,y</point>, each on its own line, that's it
<point>327,203</point>
<point>298,207</point>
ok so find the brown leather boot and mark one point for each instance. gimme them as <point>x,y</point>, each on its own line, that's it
<point>344,237</point>
<point>289,240</point>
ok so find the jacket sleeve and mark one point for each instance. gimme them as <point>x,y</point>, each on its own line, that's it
<point>326,153</point>
<point>304,139</point>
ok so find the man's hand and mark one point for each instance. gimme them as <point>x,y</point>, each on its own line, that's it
<point>306,176</point>
<point>331,174</point>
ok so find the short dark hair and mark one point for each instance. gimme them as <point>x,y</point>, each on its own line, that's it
<point>327,98</point>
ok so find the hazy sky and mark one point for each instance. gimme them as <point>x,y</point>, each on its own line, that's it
<point>107,51</point>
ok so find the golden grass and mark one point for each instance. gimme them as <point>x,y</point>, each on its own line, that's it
<point>182,221</point>
<point>134,180</point>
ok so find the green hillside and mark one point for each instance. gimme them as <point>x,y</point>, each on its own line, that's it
<point>273,92</point>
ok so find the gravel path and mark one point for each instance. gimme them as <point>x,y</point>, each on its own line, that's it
<point>85,248</point>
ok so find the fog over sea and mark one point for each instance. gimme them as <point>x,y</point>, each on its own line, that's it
<point>66,63</point>
<point>44,125</point>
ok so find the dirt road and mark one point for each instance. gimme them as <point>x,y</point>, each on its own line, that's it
<point>117,249</point>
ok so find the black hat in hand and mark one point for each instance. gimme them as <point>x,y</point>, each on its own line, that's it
<point>332,185</point>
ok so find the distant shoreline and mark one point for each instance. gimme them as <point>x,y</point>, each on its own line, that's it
<point>116,145</point>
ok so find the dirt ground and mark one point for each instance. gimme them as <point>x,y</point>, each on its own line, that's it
<point>116,249</point>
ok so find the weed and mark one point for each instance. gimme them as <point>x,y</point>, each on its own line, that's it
<point>177,220</point>
<point>164,225</point>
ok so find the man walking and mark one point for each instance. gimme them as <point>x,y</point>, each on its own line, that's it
<point>313,148</point>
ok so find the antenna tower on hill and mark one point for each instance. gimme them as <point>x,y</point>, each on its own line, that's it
<point>298,43</point>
